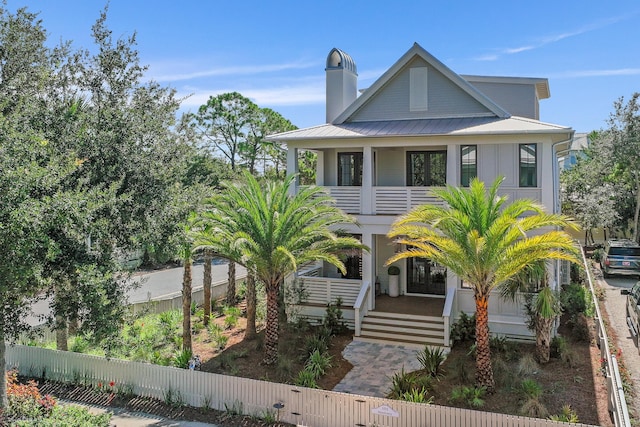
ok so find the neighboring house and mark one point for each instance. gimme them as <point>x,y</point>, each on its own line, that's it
<point>419,126</point>
<point>575,151</point>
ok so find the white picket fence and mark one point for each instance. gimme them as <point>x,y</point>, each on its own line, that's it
<point>301,406</point>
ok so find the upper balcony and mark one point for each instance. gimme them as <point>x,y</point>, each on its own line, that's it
<point>394,180</point>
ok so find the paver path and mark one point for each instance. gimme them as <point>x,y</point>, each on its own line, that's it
<point>373,367</point>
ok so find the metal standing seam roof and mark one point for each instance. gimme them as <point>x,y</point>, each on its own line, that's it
<point>423,127</point>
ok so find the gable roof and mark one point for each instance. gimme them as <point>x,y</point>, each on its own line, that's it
<point>417,50</point>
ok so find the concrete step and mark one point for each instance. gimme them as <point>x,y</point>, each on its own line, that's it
<point>403,329</point>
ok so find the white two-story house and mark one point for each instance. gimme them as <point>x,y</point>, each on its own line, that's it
<point>420,126</point>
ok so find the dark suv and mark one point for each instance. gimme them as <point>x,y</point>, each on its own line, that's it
<point>621,257</point>
<point>633,309</point>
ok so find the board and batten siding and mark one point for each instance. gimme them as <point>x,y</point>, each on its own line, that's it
<point>517,99</point>
<point>445,99</point>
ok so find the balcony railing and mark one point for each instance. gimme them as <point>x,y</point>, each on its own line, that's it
<point>399,200</point>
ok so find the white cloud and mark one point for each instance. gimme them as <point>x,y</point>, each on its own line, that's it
<point>597,73</point>
<point>229,71</point>
<point>543,41</point>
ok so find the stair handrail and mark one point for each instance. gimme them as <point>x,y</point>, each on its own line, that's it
<point>360,308</point>
<point>446,314</point>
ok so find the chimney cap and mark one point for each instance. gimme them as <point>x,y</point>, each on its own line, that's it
<point>338,59</point>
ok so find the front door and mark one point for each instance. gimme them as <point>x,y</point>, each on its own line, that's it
<point>425,277</point>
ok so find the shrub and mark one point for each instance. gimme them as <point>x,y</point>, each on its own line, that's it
<point>558,346</point>
<point>318,363</point>
<point>527,365</point>
<point>567,415</point>
<point>316,342</point>
<point>69,416</point>
<point>417,396</point>
<point>181,360</point>
<point>530,389</point>
<point>306,378</point>
<point>431,359</point>
<point>580,327</point>
<point>402,382</point>
<point>333,320</point>
<point>464,329</point>
<point>534,408</point>
<point>575,299</point>
<point>470,396</point>
<point>25,400</point>
<point>461,370</point>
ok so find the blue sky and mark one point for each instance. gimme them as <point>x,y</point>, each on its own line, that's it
<point>274,52</point>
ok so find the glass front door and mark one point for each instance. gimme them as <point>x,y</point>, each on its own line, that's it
<point>425,277</point>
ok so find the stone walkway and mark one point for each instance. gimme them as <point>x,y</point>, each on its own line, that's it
<point>373,367</point>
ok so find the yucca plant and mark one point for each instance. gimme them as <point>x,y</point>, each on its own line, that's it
<point>431,359</point>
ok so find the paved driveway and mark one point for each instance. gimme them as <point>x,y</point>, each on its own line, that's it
<point>615,305</point>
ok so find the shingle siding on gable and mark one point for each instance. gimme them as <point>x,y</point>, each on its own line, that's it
<point>445,99</point>
<point>517,99</point>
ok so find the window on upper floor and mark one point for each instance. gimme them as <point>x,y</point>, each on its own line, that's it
<point>426,168</point>
<point>350,169</point>
<point>468,164</point>
<point>528,164</point>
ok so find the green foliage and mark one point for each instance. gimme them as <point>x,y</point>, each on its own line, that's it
<point>431,359</point>
<point>530,389</point>
<point>402,382</point>
<point>464,329</point>
<point>568,415</point>
<point>333,321</point>
<point>181,360</point>
<point>68,416</point>
<point>576,299</point>
<point>316,342</point>
<point>558,346</point>
<point>232,315</point>
<point>306,378</point>
<point>318,363</point>
<point>417,396</point>
<point>472,397</point>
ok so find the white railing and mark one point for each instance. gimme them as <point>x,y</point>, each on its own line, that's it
<point>300,406</point>
<point>617,403</point>
<point>446,314</point>
<point>361,306</point>
<point>347,198</point>
<point>326,290</point>
<point>399,200</point>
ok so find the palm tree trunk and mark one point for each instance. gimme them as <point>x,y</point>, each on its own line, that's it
<point>206,285</point>
<point>250,332</point>
<point>484,371</point>
<point>543,339</point>
<point>272,329</point>
<point>3,370</point>
<point>186,306</point>
<point>231,288</point>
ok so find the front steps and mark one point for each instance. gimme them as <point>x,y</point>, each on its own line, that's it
<point>402,329</point>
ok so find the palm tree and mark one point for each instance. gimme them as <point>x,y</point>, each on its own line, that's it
<point>542,307</point>
<point>485,242</point>
<point>271,233</point>
<point>206,286</point>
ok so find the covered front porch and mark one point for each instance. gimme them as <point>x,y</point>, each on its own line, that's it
<point>406,319</point>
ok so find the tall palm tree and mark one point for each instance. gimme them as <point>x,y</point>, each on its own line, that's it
<point>485,242</point>
<point>543,307</point>
<point>206,286</point>
<point>271,233</point>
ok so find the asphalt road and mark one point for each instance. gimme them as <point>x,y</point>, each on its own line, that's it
<point>154,285</point>
<point>616,309</point>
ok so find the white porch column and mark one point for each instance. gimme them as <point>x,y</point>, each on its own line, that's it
<point>368,273</point>
<point>367,181</point>
<point>452,164</point>
<point>292,168</point>
<point>320,168</point>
